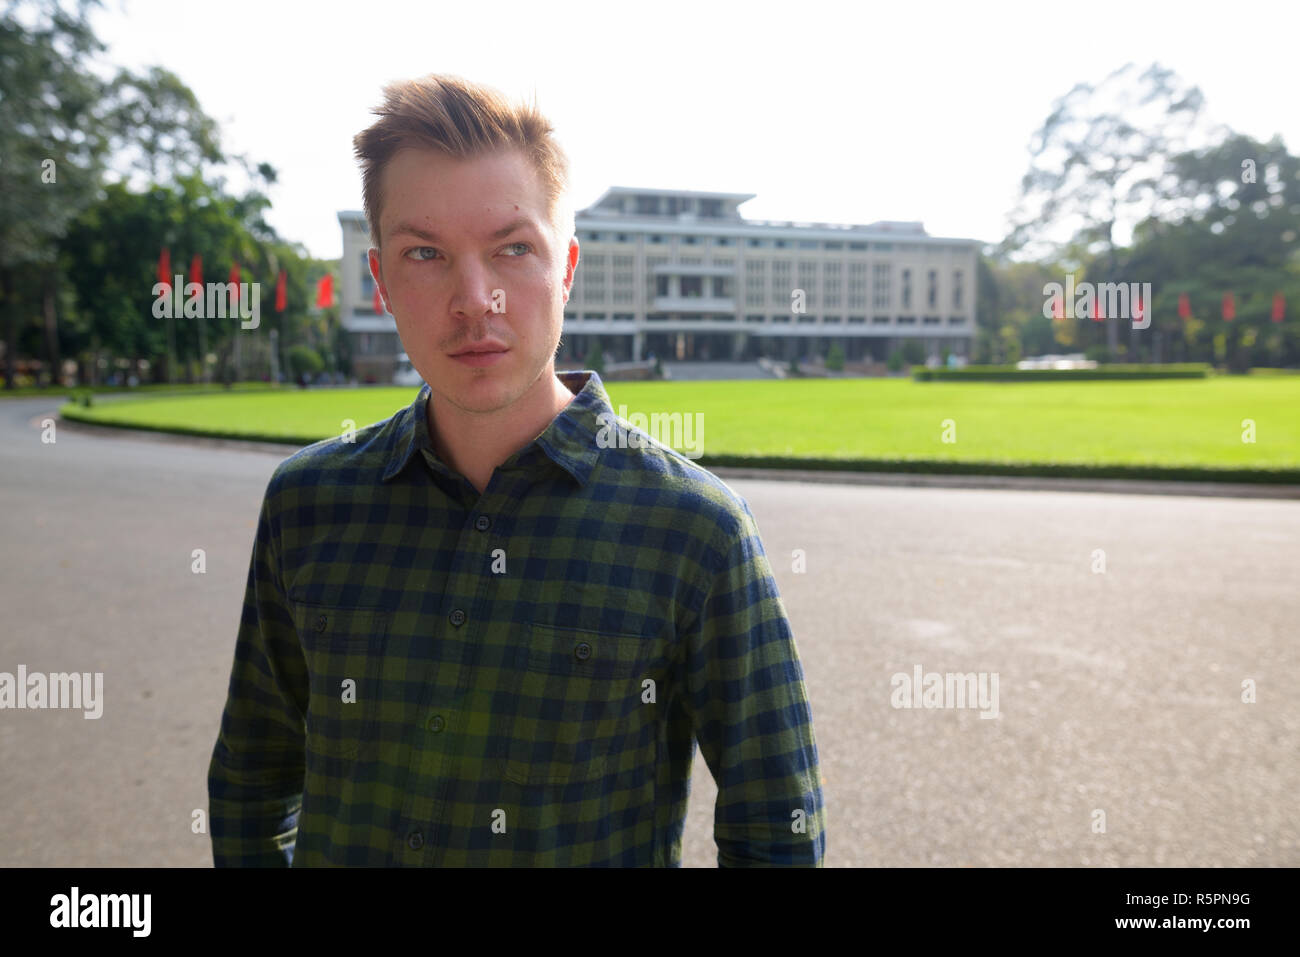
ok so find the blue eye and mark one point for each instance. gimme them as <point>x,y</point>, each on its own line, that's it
<point>418,249</point>
<point>527,248</point>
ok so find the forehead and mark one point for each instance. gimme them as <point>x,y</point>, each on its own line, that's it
<point>426,186</point>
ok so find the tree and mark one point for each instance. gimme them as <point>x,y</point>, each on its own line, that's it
<point>304,360</point>
<point>1102,160</point>
<point>53,148</point>
<point>835,358</point>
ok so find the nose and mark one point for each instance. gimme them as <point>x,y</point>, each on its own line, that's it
<point>472,294</point>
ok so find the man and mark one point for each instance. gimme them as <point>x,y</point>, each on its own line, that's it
<point>485,631</point>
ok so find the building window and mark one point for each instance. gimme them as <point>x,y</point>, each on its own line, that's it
<point>689,240</point>
<point>931,321</point>
<point>857,320</point>
<point>723,241</point>
<point>647,205</point>
<point>754,318</point>
<point>808,282</point>
<point>880,276</point>
<point>857,247</point>
<point>757,243</point>
<point>656,238</point>
<point>712,208</point>
<point>956,289</point>
<point>907,289</point>
<point>932,289</point>
<point>807,244</point>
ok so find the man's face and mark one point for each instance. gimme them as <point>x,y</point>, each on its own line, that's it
<point>470,260</point>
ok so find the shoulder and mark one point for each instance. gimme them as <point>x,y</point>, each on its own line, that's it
<point>672,488</point>
<point>353,458</point>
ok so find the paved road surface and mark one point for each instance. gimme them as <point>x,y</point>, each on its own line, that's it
<point>1119,692</point>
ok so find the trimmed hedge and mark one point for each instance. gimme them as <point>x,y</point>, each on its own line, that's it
<point>1182,473</point>
<point>1190,370</point>
<point>1176,473</point>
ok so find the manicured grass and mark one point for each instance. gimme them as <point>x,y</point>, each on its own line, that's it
<point>36,392</point>
<point>1132,425</point>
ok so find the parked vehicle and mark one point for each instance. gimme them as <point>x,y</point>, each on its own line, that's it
<point>406,374</point>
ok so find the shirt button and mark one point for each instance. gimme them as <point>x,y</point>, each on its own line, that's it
<point>482,523</point>
<point>458,618</point>
<point>583,651</point>
<point>415,840</point>
<point>436,723</point>
<point>321,622</point>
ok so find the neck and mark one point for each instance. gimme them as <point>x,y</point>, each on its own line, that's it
<point>475,443</point>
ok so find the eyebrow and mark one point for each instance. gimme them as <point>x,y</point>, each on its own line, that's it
<point>502,233</point>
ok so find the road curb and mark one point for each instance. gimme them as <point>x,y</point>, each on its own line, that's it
<point>1016,483</point>
<point>281,449</point>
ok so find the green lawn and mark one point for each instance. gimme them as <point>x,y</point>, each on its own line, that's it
<point>1158,424</point>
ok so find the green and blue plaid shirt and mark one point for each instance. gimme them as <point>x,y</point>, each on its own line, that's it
<point>427,676</point>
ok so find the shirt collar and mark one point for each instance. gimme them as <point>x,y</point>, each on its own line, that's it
<point>569,441</point>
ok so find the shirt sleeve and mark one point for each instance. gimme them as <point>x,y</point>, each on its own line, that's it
<point>255,778</point>
<point>749,711</point>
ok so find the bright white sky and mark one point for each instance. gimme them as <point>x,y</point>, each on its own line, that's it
<point>834,112</point>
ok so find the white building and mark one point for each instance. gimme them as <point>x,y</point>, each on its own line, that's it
<point>681,274</point>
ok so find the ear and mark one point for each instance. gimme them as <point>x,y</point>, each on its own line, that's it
<point>377,272</point>
<point>570,266</point>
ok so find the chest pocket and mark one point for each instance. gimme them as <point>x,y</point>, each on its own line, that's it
<point>578,712</point>
<point>344,649</point>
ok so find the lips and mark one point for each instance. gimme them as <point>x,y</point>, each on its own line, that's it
<point>483,349</point>
<point>481,355</point>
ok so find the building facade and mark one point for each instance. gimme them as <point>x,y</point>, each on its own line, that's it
<point>682,275</point>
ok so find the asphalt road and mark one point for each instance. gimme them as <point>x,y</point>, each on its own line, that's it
<point>1120,692</point>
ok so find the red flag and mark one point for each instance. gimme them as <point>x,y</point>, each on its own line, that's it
<point>1184,306</point>
<point>1138,312</point>
<point>165,268</point>
<point>1229,307</point>
<point>280,292</point>
<point>1279,307</point>
<point>196,269</point>
<point>1096,310</point>
<point>379,302</point>
<point>325,291</point>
